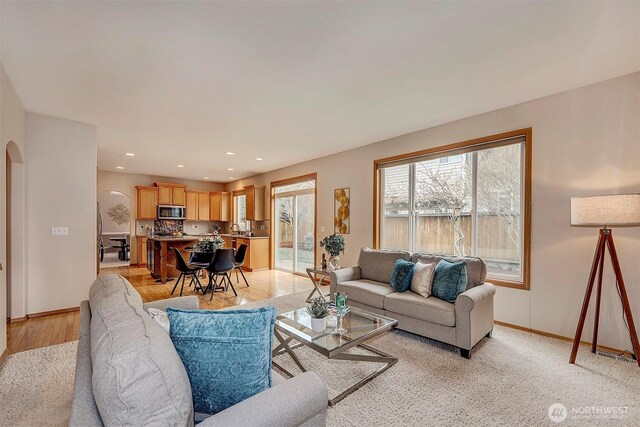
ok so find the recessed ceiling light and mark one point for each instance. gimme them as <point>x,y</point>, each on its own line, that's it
<point>180,166</point>
<point>119,167</point>
<point>258,158</point>
<point>230,177</point>
<point>230,153</point>
<point>206,177</point>
<point>130,154</point>
<point>229,169</point>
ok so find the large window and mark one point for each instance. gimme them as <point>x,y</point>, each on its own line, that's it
<point>240,211</point>
<point>466,199</point>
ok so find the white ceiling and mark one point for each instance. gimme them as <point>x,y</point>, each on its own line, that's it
<point>183,83</point>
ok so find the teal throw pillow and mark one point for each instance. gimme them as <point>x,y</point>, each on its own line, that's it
<point>227,354</point>
<point>402,275</point>
<point>449,280</point>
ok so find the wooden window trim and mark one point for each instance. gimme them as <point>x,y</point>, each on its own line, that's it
<point>272,189</point>
<point>485,141</point>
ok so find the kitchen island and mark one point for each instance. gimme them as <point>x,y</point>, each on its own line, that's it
<point>161,260</point>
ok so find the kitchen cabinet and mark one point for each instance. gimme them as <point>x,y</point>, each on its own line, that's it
<point>142,250</point>
<point>257,257</point>
<point>255,202</point>
<point>161,259</point>
<point>192,206</point>
<point>197,205</point>
<point>219,204</point>
<point>147,202</point>
<point>171,194</point>
<point>203,206</point>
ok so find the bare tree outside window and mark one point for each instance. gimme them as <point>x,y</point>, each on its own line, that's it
<point>442,212</point>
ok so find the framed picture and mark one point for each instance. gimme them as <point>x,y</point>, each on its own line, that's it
<point>342,210</point>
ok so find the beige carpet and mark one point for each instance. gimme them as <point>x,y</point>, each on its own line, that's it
<point>511,380</point>
<point>36,386</point>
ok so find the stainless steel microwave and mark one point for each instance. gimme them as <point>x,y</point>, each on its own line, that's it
<point>172,212</point>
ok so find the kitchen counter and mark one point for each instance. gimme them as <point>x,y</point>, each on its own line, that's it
<point>173,238</point>
<point>232,236</point>
<point>161,259</point>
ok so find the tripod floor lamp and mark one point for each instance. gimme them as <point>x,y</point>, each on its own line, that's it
<point>616,210</point>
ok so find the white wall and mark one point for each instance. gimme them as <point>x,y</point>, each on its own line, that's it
<point>12,128</point>
<point>61,191</point>
<point>585,141</point>
<point>108,201</point>
<point>126,184</point>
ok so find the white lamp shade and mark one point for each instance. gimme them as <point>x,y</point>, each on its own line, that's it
<point>611,210</point>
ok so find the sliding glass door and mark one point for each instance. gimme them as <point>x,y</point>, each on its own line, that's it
<point>295,210</point>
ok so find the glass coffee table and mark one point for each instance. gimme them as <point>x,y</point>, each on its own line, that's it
<point>361,325</point>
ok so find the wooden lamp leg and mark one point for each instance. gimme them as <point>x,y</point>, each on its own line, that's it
<point>587,297</point>
<point>625,299</point>
<point>596,321</point>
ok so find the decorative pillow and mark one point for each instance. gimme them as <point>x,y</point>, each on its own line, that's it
<point>401,275</point>
<point>449,280</point>
<point>423,278</point>
<point>161,317</point>
<point>227,354</point>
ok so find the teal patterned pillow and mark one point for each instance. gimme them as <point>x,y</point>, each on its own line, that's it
<point>227,354</point>
<point>450,280</point>
<point>402,275</point>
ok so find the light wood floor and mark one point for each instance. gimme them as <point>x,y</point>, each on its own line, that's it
<point>60,328</point>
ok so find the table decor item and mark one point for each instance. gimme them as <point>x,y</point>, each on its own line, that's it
<point>341,300</point>
<point>334,245</point>
<point>341,313</point>
<point>209,244</point>
<point>318,310</point>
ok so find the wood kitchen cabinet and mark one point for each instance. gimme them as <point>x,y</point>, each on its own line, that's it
<point>192,206</point>
<point>197,205</point>
<point>147,202</point>
<point>203,206</point>
<point>255,202</point>
<point>219,205</point>
<point>171,194</point>
<point>142,250</point>
<point>257,257</point>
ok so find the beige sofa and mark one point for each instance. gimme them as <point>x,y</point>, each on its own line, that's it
<point>462,324</point>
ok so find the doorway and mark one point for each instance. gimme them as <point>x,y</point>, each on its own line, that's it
<point>294,213</point>
<point>114,229</point>
<point>16,292</point>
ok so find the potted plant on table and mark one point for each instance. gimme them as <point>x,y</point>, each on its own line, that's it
<point>210,244</point>
<point>318,310</point>
<point>334,245</point>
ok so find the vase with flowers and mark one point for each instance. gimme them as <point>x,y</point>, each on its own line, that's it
<point>334,245</point>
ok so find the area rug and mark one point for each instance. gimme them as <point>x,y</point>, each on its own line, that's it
<point>36,386</point>
<point>511,379</point>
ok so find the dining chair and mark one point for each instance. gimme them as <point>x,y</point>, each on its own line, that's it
<point>240,257</point>
<point>222,264</point>
<point>186,270</point>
